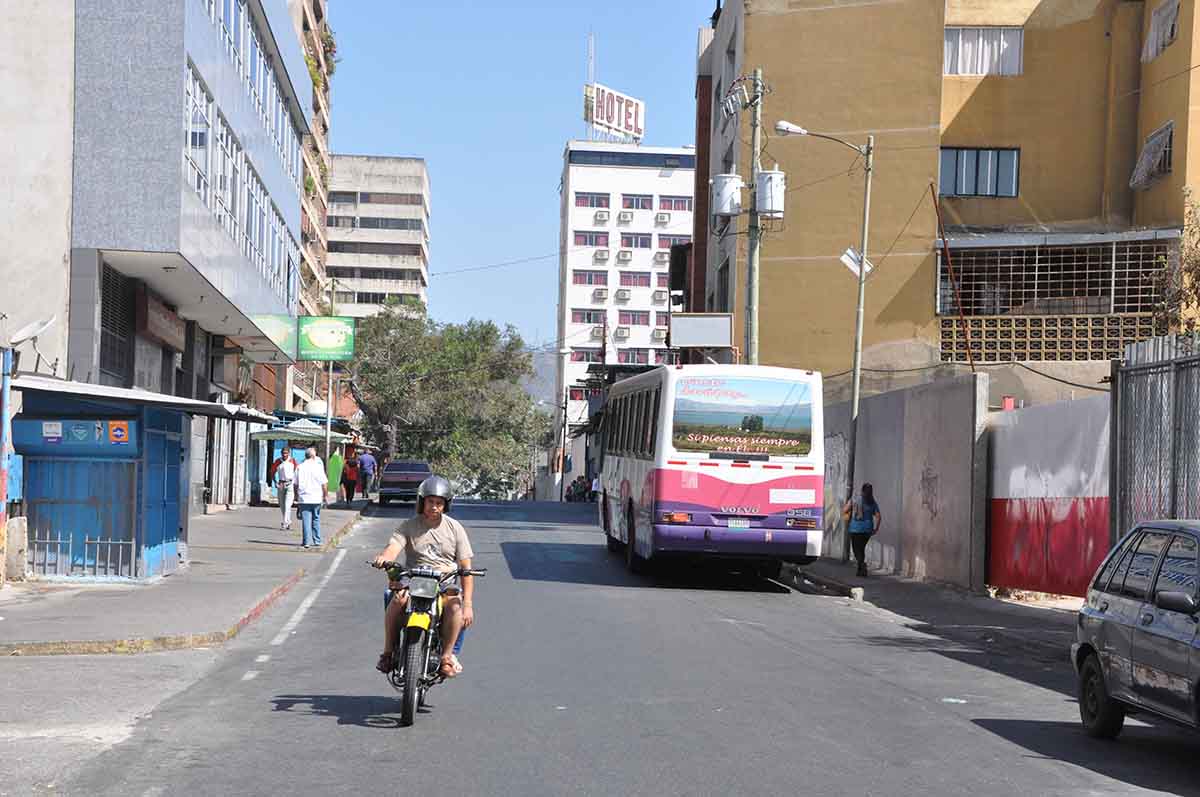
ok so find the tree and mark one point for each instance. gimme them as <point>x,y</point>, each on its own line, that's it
<point>1178,283</point>
<point>448,394</point>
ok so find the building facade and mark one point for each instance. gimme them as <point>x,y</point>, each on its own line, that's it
<point>378,228</point>
<point>623,207</point>
<point>155,206</point>
<point>1053,138</point>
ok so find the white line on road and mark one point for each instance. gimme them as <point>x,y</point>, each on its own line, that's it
<point>250,675</point>
<point>302,610</point>
<point>262,659</point>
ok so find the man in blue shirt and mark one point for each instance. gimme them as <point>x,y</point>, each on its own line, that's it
<point>367,466</point>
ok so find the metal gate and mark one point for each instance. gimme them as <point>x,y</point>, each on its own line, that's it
<point>1156,433</point>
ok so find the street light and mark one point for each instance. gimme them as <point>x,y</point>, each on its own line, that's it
<point>867,151</point>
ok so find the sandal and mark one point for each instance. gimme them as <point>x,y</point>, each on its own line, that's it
<point>386,663</point>
<point>450,666</point>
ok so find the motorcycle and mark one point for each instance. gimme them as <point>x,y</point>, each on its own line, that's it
<point>418,667</point>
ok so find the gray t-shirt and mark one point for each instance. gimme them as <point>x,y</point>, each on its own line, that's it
<point>441,547</point>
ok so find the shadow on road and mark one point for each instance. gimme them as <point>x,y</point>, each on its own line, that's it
<point>571,563</point>
<point>366,711</point>
<point>1158,758</point>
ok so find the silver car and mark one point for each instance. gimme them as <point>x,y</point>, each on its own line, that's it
<point>1138,649</point>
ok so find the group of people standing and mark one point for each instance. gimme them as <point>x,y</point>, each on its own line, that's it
<point>582,490</point>
<point>306,485</point>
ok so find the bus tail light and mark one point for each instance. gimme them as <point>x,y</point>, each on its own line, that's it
<point>676,517</point>
<point>801,523</point>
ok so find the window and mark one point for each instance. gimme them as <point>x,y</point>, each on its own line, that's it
<point>1164,27</point>
<point>664,279</point>
<point>1114,559</point>
<point>667,241</point>
<point>576,394</point>
<point>591,238</point>
<point>634,318</point>
<point>1141,567</point>
<point>584,199</point>
<point>662,356</point>
<point>635,279</point>
<point>634,240</point>
<point>374,248</point>
<point>722,298</point>
<point>675,203</point>
<point>1178,573</point>
<point>637,201</point>
<point>343,197</point>
<point>581,277</point>
<point>982,51</point>
<point>662,319</point>
<point>585,355</point>
<point>650,160</point>
<point>587,316</point>
<point>385,198</point>
<point>633,356</point>
<point>199,132</point>
<point>116,326</point>
<point>374,223</point>
<point>979,172</point>
<point>1156,158</point>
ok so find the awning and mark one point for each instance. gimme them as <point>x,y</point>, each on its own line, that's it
<point>27,383</point>
<point>302,430</point>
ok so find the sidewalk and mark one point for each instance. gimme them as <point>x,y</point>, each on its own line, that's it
<point>1042,631</point>
<point>240,563</point>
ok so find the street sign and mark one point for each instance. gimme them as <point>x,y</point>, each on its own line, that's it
<point>326,337</point>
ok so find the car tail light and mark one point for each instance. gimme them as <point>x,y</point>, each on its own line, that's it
<point>676,517</point>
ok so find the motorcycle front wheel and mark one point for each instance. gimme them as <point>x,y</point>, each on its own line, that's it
<point>414,670</point>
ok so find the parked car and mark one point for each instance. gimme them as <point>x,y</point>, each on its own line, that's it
<point>400,480</point>
<point>1137,643</point>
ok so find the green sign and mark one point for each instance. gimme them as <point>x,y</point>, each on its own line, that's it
<point>281,329</point>
<point>326,337</point>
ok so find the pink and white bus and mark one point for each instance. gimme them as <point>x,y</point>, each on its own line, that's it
<point>714,461</point>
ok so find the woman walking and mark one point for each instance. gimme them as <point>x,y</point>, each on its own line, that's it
<point>863,520</point>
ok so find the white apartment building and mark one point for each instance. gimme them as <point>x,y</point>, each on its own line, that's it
<point>623,207</point>
<point>378,228</point>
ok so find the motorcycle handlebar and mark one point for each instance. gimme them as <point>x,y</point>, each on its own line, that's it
<point>479,571</point>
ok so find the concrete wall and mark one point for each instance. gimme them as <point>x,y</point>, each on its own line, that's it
<point>37,66</point>
<point>924,450</point>
<point>1168,83</point>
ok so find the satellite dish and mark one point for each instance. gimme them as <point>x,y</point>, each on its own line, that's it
<point>30,331</point>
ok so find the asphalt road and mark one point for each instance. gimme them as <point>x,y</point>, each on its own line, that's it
<point>582,679</point>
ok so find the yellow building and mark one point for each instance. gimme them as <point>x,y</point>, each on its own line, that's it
<point>1047,128</point>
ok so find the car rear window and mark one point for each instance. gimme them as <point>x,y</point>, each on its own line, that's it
<point>1141,569</point>
<point>1114,559</point>
<point>1178,573</point>
<point>411,467</point>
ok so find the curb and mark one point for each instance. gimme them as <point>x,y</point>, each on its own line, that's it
<point>796,578</point>
<point>153,644</point>
<point>338,535</point>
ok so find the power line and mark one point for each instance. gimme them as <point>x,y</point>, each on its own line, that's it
<point>977,365</point>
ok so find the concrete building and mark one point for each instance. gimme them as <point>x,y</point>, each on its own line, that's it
<point>311,23</point>
<point>1049,131</point>
<point>378,229</point>
<point>154,203</point>
<point>623,207</point>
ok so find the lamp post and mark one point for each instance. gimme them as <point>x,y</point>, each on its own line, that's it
<point>867,151</point>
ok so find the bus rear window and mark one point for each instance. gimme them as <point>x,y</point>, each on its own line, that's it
<point>743,416</point>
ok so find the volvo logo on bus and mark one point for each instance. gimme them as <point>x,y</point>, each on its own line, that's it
<point>739,510</point>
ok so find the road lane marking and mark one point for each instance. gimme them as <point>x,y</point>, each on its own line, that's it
<point>302,610</point>
<point>262,659</point>
<point>250,675</point>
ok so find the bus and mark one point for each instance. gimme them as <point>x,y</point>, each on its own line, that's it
<point>714,461</point>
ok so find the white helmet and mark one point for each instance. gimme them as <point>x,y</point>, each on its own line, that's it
<point>437,487</point>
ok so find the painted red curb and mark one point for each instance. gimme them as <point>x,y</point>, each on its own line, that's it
<point>265,603</point>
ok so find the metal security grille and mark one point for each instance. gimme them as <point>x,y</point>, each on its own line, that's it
<point>1083,302</point>
<point>116,324</point>
<point>1157,440</point>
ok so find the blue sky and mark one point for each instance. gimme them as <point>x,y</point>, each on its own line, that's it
<point>488,93</point>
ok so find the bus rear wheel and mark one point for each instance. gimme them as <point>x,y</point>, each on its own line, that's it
<point>612,542</point>
<point>635,563</point>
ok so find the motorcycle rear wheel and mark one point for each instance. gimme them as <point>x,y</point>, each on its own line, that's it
<point>414,671</point>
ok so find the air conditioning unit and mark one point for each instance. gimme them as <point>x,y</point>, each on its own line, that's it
<point>659,334</point>
<point>601,216</point>
<point>600,254</point>
<point>625,255</point>
<point>621,333</point>
<point>623,294</point>
<point>597,332</point>
<point>625,216</point>
<point>659,296</point>
<point>662,256</point>
<point>662,218</point>
<point>600,294</point>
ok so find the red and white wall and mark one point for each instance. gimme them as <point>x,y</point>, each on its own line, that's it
<point>1049,503</point>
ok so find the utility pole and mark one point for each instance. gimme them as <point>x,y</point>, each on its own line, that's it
<point>856,380</point>
<point>755,233</point>
<point>562,462</point>
<point>329,395</point>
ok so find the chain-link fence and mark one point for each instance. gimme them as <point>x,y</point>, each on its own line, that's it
<point>1157,425</point>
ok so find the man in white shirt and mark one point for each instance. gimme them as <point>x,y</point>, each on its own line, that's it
<point>285,478</point>
<point>312,490</point>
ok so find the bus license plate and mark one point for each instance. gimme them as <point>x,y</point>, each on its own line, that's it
<point>739,522</point>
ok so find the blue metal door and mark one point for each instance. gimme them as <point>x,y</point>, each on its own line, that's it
<point>81,516</point>
<point>160,509</point>
<point>173,449</point>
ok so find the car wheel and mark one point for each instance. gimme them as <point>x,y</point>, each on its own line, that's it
<point>1102,716</point>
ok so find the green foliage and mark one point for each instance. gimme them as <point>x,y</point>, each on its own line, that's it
<point>314,72</point>
<point>1177,285</point>
<point>449,394</point>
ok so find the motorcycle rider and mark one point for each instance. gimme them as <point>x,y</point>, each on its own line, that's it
<point>431,539</point>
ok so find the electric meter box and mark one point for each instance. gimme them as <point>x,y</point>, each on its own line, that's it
<point>772,186</point>
<point>726,194</point>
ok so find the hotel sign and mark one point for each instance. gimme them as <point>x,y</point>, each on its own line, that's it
<point>613,112</point>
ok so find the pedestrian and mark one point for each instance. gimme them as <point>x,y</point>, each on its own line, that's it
<point>367,467</point>
<point>863,519</point>
<point>283,473</point>
<point>312,491</point>
<point>350,478</point>
<point>595,488</point>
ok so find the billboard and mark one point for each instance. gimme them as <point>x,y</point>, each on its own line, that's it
<point>613,112</point>
<point>326,337</point>
<point>281,330</point>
